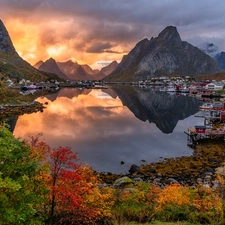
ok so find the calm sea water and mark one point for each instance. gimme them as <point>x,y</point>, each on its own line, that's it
<point>110,125</point>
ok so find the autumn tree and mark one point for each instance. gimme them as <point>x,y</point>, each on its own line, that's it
<point>75,197</point>
<point>20,194</point>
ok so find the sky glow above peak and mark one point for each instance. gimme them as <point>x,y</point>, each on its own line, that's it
<point>91,32</point>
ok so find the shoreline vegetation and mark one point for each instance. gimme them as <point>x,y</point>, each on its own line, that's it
<point>40,185</point>
<point>172,190</point>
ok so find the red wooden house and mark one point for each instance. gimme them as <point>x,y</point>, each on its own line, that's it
<point>200,129</point>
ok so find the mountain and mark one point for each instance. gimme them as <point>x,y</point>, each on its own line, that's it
<point>74,71</point>
<point>220,60</point>
<point>209,48</point>
<point>38,64</point>
<point>213,51</point>
<point>12,65</point>
<point>51,66</point>
<point>163,55</point>
<point>110,68</point>
<point>89,70</point>
<point>6,45</point>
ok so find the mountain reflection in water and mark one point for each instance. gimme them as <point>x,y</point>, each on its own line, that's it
<point>100,125</point>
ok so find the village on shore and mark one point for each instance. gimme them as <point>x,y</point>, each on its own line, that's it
<point>181,84</point>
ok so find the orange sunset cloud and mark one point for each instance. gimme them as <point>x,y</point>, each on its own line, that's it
<point>99,32</point>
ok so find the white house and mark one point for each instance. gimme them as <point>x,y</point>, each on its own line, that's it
<point>215,86</point>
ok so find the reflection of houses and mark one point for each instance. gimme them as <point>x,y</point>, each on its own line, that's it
<point>213,127</point>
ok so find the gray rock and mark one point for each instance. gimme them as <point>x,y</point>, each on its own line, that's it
<point>134,168</point>
<point>172,180</point>
<point>122,181</point>
<point>137,179</point>
<point>199,180</point>
<point>157,181</point>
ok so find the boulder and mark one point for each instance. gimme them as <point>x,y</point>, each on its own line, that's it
<point>134,168</point>
<point>122,182</point>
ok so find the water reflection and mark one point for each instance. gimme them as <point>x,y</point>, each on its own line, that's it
<point>161,108</point>
<point>100,125</point>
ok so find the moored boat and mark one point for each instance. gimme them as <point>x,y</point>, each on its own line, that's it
<point>184,89</point>
<point>206,106</point>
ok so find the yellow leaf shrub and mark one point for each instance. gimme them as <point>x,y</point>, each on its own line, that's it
<point>174,194</point>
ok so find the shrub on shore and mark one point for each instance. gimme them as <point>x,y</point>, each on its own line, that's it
<point>40,185</point>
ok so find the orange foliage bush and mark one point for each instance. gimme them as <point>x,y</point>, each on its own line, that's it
<point>74,195</point>
<point>207,200</point>
<point>174,194</point>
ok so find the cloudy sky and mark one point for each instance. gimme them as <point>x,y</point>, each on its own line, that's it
<point>96,32</point>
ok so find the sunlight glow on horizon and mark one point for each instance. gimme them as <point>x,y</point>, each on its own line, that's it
<point>33,46</point>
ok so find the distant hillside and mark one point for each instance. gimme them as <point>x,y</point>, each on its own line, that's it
<point>164,55</point>
<point>110,68</point>
<point>210,49</point>
<point>74,71</point>
<point>220,60</point>
<point>106,70</point>
<point>37,65</point>
<point>213,51</point>
<point>51,66</point>
<point>216,76</point>
<point>12,65</point>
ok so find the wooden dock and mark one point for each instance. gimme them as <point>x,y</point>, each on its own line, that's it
<point>212,128</point>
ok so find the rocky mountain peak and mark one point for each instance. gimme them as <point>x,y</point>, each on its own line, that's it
<point>169,34</point>
<point>110,68</point>
<point>70,62</point>
<point>164,55</point>
<point>38,64</point>
<point>51,66</point>
<point>209,48</point>
<point>6,44</point>
<point>51,60</point>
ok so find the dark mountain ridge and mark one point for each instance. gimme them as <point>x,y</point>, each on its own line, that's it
<point>51,66</point>
<point>220,60</point>
<point>163,55</point>
<point>73,71</point>
<point>12,65</point>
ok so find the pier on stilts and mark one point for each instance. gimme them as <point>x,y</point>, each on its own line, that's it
<point>213,127</point>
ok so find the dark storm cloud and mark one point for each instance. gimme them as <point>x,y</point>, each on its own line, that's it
<point>91,24</point>
<point>151,13</point>
<point>99,47</point>
<point>21,4</point>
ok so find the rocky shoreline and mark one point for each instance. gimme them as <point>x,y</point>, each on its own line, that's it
<point>200,168</point>
<point>207,178</point>
<point>9,110</point>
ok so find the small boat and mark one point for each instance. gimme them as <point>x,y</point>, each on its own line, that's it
<point>171,89</point>
<point>184,89</point>
<point>206,106</point>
